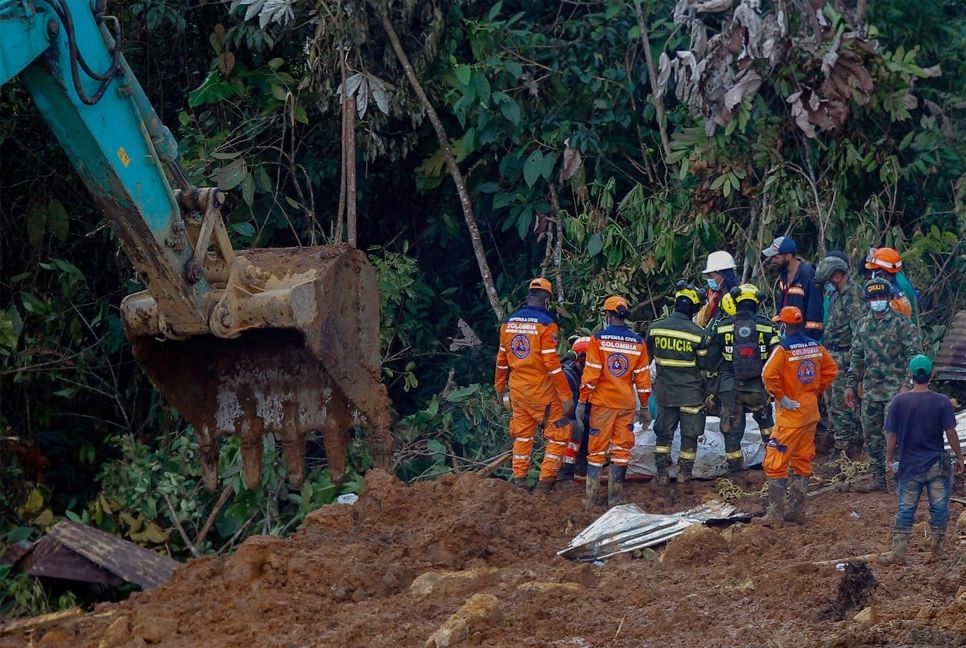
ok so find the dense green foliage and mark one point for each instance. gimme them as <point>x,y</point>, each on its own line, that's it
<point>551,113</point>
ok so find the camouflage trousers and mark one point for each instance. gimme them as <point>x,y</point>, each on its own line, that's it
<point>842,419</point>
<point>692,421</point>
<point>734,406</point>
<point>873,424</point>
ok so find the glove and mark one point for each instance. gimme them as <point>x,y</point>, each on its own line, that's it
<point>568,407</point>
<point>643,417</point>
<point>788,403</point>
<point>503,397</point>
<point>579,416</point>
<point>711,404</point>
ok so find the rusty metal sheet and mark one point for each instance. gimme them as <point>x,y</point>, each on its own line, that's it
<point>52,559</point>
<point>124,559</point>
<point>950,362</point>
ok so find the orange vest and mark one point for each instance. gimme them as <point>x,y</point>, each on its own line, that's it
<point>528,355</point>
<point>616,374</point>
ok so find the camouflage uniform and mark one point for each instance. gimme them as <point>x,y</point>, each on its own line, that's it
<point>881,351</point>
<point>846,308</point>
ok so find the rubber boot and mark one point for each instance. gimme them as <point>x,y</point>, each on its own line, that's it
<point>544,485</point>
<point>592,486</point>
<point>877,485</point>
<point>900,541</point>
<point>684,477</point>
<point>615,485</point>
<point>662,477</point>
<point>520,482</point>
<point>854,450</point>
<point>797,490</point>
<point>936,548</point>
<point>776,502</point>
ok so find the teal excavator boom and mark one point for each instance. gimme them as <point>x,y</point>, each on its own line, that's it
<point>273,341</point>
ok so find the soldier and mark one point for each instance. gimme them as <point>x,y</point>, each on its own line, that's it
<point>846,307</point>
<point>737,350</point>
<point>679,349</point>
<point>883,344</point>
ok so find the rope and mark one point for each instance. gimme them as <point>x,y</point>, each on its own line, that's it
<point>847,471</point>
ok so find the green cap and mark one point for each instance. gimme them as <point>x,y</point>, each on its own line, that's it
<point>920,363</point>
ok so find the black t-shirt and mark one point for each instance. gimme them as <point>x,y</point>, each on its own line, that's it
<point>920,419</point>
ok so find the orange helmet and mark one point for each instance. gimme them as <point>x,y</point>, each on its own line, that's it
<point>884,258</point>
<point>580,344</point>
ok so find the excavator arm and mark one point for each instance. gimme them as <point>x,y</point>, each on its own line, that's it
<point>274,341</point>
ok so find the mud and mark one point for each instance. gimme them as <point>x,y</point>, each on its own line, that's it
<point>345,579</point>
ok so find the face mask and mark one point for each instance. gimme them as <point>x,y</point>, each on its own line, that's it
<point>712,284</point>
<point>879,305</point>
<point>829,288</point>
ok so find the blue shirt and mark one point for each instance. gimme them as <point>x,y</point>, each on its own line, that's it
<point>920,420</point>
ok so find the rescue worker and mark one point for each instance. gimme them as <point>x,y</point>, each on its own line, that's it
<point>679,349</point>
<point>886,263</point>
<point>883,344</point>
<point>796,374</point>
<point>575,457</point>
<point>719,272</point>
<point>539,394</point>
<point>846,306</point>
<point>918,423</point>
<point>796,287</point>
<point>738,347</point>
<point>615,379</point>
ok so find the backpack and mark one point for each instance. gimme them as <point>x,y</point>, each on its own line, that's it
<point>746,354</point>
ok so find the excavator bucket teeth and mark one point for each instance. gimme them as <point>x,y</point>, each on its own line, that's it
<point>315,369</point>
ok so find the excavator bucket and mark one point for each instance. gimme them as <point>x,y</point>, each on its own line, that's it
<point>303,357</point>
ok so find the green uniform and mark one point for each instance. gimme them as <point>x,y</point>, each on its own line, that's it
<point>737,397</point>
<point>679,349</point>
<point>846,307</point>
<point>881,350</point>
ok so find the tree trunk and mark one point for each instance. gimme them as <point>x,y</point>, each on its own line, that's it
<point>350,167</point>
<point>340,216</point>
<point>454,170</point>
<point>652,77</point>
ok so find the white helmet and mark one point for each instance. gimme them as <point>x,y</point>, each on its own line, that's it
<point>718,261</point>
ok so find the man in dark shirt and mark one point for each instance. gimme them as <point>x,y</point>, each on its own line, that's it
<point>796,285</point>
<point>915,426</point>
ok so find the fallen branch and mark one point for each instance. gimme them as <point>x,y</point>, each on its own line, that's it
<point>225,494</point>
<point>851,559</point>
<point>35,623</point>
<point>491,467</point>
<point>177,524</point>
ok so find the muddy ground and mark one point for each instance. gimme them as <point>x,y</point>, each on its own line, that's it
<point>345,579</point>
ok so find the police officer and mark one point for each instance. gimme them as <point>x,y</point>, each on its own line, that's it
<point>679,349</point>
<point>738,348</point>
<point>883,344</point>
<point>846,306</point>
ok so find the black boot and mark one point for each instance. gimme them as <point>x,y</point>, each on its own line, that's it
<point>936,547</point>
<point>544,486</point>
<point>615,485</point>
<point>520,482</point>
<point>592,486</point>
<point>662,477</point>
<point>684,477</point>
<point>877,485</point>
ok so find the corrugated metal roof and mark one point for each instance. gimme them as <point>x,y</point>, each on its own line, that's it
<point>951,360</point>
<point>79,552</point>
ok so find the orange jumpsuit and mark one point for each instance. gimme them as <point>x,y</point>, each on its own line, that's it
<point>538,387</point>
<point>801,369</point>
<point>614,379</point>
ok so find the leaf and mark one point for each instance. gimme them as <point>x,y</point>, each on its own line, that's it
<point>533,167</point>
<point>514,68</point>
<point>461,394</point>
<point>230,176</point>
<point>495,11</point>
<point>524,220</point>
<point>511,111</point>
<point>549,160</point>
<point>213,88</point>
<point>595,244</point>
<point>35,501</point>
<point>435,447</point>
<point>44,519</point>
<point>245,229</point>
<point>279,92</point>
<point>301,116</point>
<point>19,534</point>
<point>57,221</point>
<point>10,327</point>
<point>248,189</point>
<point>380,94</point>
<point>463,73</point>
